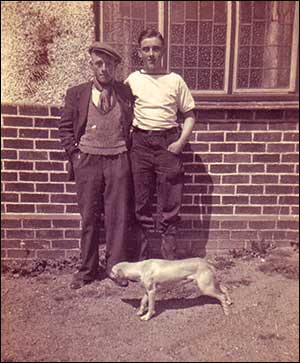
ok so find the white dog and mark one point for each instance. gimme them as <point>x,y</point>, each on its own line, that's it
<point>153,272</point>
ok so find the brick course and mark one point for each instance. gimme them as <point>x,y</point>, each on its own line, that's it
<point>241,183</point>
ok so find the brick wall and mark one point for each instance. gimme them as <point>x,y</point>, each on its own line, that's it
<point>241,183</point>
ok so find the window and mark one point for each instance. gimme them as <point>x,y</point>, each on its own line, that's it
<point>219,47</point>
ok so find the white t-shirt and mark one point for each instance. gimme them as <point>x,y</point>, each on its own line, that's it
<point>158,98</point>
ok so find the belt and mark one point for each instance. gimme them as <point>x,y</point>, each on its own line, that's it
<point>156,132</point>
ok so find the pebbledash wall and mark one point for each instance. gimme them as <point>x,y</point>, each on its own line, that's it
<point>241,183</point>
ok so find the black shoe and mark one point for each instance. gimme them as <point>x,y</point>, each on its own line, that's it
<point>117,280</point>
<point>77,284</point>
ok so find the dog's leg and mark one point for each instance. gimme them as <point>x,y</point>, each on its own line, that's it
<point>210,287</point>
<point>151,311</point>
<point>225,291</point>
<point>143,306</point>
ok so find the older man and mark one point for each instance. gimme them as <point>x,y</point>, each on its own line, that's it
<point>94,130</point>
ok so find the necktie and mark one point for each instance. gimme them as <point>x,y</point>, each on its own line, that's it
<point>104,99</point>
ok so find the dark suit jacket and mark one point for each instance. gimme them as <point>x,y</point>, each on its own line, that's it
<point>74,117</point>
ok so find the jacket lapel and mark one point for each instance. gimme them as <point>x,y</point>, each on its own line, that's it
<point>83,105</point>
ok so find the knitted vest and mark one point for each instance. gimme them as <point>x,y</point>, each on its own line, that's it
<point>103,133</point>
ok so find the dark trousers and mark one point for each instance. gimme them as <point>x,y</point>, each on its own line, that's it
<point>155,169</point>
<point>102,182</point>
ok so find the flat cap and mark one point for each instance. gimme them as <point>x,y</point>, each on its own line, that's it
<point>107,49</point>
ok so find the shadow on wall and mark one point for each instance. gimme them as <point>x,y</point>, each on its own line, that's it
<point>196,218</point>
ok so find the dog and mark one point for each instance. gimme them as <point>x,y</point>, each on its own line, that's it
<point>153,272</point>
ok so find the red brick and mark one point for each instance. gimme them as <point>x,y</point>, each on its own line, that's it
<point>262,225</point>
<point>207,199</point>
<point>46,122</point>
<point>55,111</point>
<point>210,136</point>
<point>20,144</point>
<point>205,179</point>
<point>206,224</point>
<point>292,115</point>
<point>203,126</point>
<point>33,110</point>
<point>223,169</point>
<point>49,166</point>
<point>37,244</point>
<point>9,197</point>
<point>19,233</point>
<point>266,158</point>
<point>291,136</point>
<point>248,210</point>
<point>10,223</point>
<point>7,176</point>
<point>226,147</point>
<point>235,179</point>
<point>17,121</point>
<point>65,244</point>
<point>263,200</point>
<point>20,253</point>
<point>10,243</point>
<point>233,200</point>
<point>291,200</point>
<point>289,179</point>
<point>280,168</point>
<point>232,126</point>
<point>195,189</point>
<point>36,223</point>
<point>279,189</point>
<point>9,132</point>
<point>295,211</point>
<point>234,225</point>
<point>187,157</point>
<point>250,189</point>
<point>264,179</point>
<point>290,158</point>
<point>66,223</point>
<point>276,210</point>
<point>242,235</point>
<point>53,254</point>
<point>195,168</point>
<point>255,147</point>
<point>72,208</point>
<point>48,145</point>
<point>218,235</point>
<point>223,189</point>
<point>63,198</point>
<point>59,155</point>
<point>239,136</point>
<point>283,147</point>
<point>40,208</point>
<point>54,134</point>
<point>253,126</point>
<point>204,115</point>
<point>198,147</point>
<point>269,115</point>
<point>288,225</point>
<point>19,187</point>
<point>33,155</point>
<point>283,126</point>
<point>187,199</point>
<point>58,177</point>
<point>49,234</point>
<point>31,198</point>
<point>73,233</point>
<point>190,210</point>
<point>208,158</point>
<point>270,136</point>
<point>50,188</point>
<point>8,154</point>
<point>34,176</point>
<point>18,165</point>
<point>20,208</point>
<point>222,210</point>
<point>250,168</point>
<point>33,133</point>
<point>9,109</point>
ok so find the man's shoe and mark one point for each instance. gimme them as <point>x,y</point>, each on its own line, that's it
<point>117,280</point>
<point>77,284</point>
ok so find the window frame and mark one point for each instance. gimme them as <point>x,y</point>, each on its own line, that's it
<point>231,96</point>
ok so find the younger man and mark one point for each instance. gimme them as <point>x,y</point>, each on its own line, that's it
<point>157,141</point>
